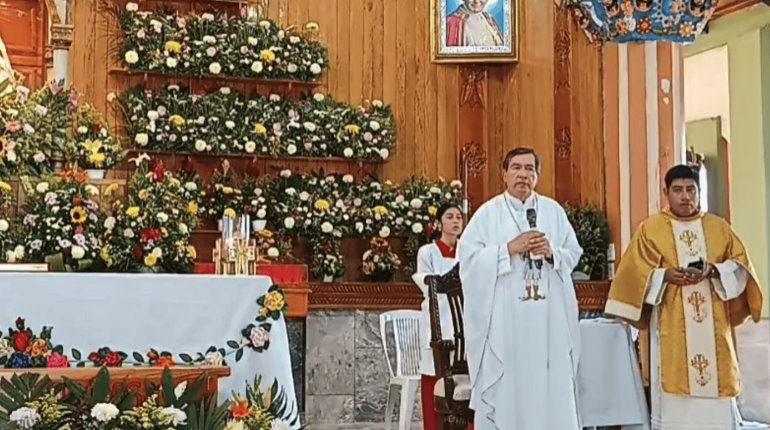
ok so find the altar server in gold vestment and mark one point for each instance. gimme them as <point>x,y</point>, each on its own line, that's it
<point>687,276</point>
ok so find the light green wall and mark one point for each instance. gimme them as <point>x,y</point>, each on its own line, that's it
<point>747,37</point>
<point>705,137</point>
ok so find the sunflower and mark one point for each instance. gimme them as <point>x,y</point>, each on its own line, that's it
<point>78,215</point>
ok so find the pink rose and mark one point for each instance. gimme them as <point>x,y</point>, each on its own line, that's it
<point>258,337</point>
<point>57,360</point>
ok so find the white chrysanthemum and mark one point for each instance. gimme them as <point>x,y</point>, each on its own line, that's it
<point>200,145</point>
<point>215,68</point>
<point>252,41</point>
<point>183,228</point>
<point>416,228</point>
<point>291,68</point>
<point>250,147</point>
<point>261,214</point>
<point>456,183</point>
<point>348,179</point>
<point>304,196</point>
<point>315,69</point>
<point>374,125</point>
<point>415,203</point>
<point>104,412</point>
<point>142,139</point>
<point>78,252</point>
<point>230,124</point>
<point>257,67</point>
<point>264,24</point>
<point>131,57</point>
<point>291,149</point>
<point>319,97</point>
<point>132,7</point>
<point>309,126</point>
<point>82,129</point>
<point>179,416</point>
<point>235,425</point>
<point>25,417</point>
<point>288,223</point>
<point>273,252</point>
<point>327,227</point>
<point>384,153</point>
<point>286,173</point>
<point>190,186</point>
<point>162,217</point>
<point>4,226</point>
<point>435,190</point>
<point>171,62</point>
<point>347,152</point>
<point>384,232</point>
<point>42,187</point>
<point>377,103</point>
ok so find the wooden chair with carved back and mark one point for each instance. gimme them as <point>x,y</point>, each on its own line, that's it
<point>452,391</point>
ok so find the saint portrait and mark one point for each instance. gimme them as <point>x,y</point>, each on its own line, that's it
<point>474,30</point>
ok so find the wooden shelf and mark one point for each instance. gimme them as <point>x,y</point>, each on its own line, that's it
<point>215,81</point>
<point>253,164</point>
<point>364,296</point>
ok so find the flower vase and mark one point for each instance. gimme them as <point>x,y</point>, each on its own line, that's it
<point>328,279</point>
<point>96,173</point>
<point>382,276</point>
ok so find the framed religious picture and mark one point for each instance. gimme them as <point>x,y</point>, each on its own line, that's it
<point>475,31</point>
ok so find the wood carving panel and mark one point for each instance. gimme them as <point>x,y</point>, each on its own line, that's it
<point>365,296</point>
<point>563,105</point>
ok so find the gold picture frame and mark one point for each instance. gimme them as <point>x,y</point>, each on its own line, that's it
<point>497,23</point>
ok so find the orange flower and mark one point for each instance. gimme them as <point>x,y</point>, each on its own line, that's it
<point>37,348</point>
<point>165,361</point>
<point>240,410</point>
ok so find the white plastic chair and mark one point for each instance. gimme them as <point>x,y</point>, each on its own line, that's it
<point>406,337</point>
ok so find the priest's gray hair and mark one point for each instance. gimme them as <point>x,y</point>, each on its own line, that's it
<point>521,151</point>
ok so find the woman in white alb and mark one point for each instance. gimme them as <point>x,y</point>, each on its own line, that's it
<point>436,258</point>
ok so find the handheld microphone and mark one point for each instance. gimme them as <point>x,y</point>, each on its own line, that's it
<point>532,220</point>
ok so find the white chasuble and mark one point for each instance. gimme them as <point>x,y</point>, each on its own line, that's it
<point>703,409</point>
<point>521,327</point>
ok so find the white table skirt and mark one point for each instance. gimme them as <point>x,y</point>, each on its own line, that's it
<point>136,312</point>
<point>609,380</point>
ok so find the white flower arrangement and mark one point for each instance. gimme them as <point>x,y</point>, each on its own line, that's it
<point>209,44</point>
<point>225,122</point>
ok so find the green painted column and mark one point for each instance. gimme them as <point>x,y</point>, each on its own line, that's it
<point>749,65</point>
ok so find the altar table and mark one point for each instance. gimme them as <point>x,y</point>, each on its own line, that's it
<point>136,312</point>
<point>609,379</point>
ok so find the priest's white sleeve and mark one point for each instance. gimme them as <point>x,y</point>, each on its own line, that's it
<point>732,280</point>
<point>655,287</point>
<point>567,252</point>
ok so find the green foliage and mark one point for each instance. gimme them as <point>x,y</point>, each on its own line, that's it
<point>593,234</point>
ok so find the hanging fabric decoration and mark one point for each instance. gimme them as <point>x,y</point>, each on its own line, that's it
<point>622,21</point>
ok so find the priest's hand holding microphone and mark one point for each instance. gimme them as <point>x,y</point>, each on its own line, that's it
<point>531,242</point>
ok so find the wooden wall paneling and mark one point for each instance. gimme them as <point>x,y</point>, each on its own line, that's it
<point>563,162</point>
<point>587,121</point>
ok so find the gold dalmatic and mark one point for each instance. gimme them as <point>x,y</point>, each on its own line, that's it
<point>694,325</point>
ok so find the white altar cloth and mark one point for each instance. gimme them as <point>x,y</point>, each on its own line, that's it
<point>136,312</point>
<point>609,379</point>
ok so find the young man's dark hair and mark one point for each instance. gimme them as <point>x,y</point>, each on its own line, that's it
<point>682,171</point>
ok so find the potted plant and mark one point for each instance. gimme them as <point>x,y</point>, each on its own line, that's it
<point>379,262</point>
<point>94,147</point>
<point>593,234</point>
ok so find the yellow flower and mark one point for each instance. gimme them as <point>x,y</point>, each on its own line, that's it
<point>229,213</point>
<point>110,189</point>
<point>105,254</point>
<point>5,186</point>
<point>78,215</point>
<point>176,120</point>
<point>133,211</point>
<point>173,46</point>
<point>267,234</point>
<point>227,190</point>
<point>260,129</point>
<point>274,301</point>
<point>352,128</point>
<point>144,194</point>
<point>92,146</point>
<point>192,208</point>
<point>312,26</point>
<point>380,210</point>
<point>150,260</point>
<point>97,159</point>
<point>322,205</point>
<point>193,253</point>
<point>267,55</point>
<point>432,210</point>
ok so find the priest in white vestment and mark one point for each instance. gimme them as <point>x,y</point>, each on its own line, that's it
<point>688,278</point>
<point>521,313</point>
